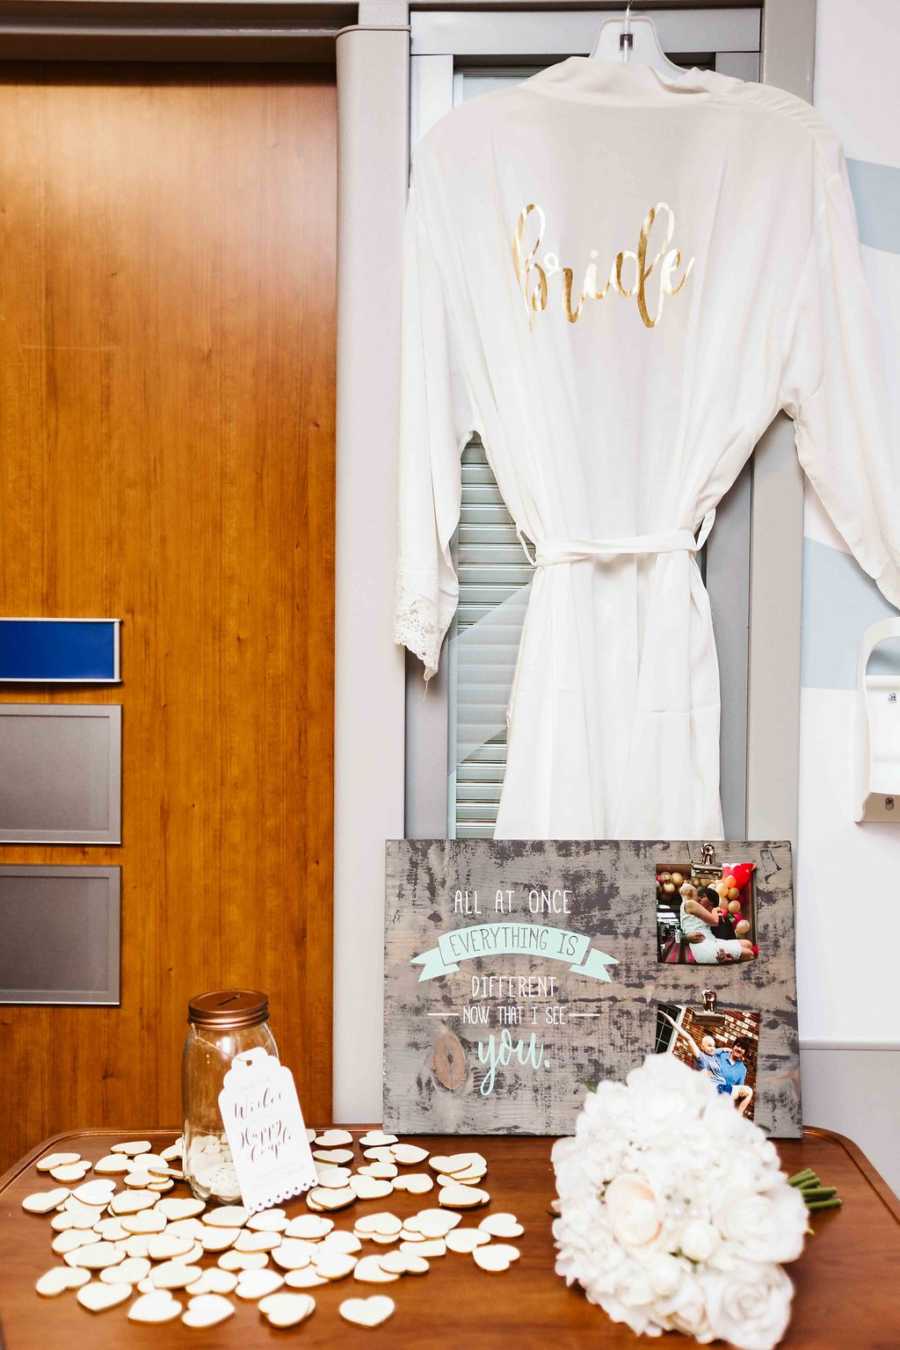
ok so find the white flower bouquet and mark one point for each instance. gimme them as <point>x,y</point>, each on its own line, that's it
<point>673,1211</point>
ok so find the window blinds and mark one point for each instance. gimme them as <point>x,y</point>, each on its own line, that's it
<point>494,575</point>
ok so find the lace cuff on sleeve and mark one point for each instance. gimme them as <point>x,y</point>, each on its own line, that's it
<point>419,623</point>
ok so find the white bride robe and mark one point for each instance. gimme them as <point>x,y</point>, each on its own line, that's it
<point>619,380</point>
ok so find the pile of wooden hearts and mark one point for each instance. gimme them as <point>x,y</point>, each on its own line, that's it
<point>116,1243</point>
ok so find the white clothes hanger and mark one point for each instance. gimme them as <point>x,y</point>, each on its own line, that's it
<point>633,39</point>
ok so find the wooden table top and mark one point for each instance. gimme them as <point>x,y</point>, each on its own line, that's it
<point>848,1279</point>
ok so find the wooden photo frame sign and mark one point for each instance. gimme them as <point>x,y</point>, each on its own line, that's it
<point>520,974</point>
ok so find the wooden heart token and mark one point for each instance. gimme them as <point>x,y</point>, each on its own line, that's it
<point>407,1155</point>
<point>191,1228</point>
<point>248,1241</point>
<point>147,1221</point>
<point>377,1139</point>
<point>457,1162</point>
<point>462,1197</point>
<point>152,1162</point>
<point>137,1180</point>
<point>417,1183</point>
<point>96,1256</point>
<point>72,1239</point>
<point>368,1188</point>
<point>333,1265</point>
<point>368,1271</point>
<point>465,1240</point>
<point>133,1147</point>
<point>268,1221</point>
<point>334,1156</point>
<point>232,1260</point>
<point>307,1278</point>
<point>382,1171</point>
<point>97,1297</point>
<point>333,1177</point>
<point>226,1216</point>
<point>165,1247</point>
<point>293,1253</point>
<point>433,1223</point>
<point>60,1278</point>
<point>207,1310</point>
<point>159,1306</point>
<point>174,1275</point>
<point>286,1310</point>
<point>187,1209</point>
<point>367,1312</point>
<point>130,1271</point>
<point>323,1198</point>
<point>501,1225</point>
<point>381,1223</point>
<point>404,1263</point>
<point>333,1139</point>
<point>496,1257</point>
<point>428,1248</point>
<point>218,1239</point>
<point>114,1164</point>
<point>41,1202</point>
<point>254,1284</point>
<point>341,1241</point>
<point>379,1154</point>
<point>309,1226</point>
<point>51,1160</point>
<point>70,1172</point>
<point>213,1281</point>
<point>130,1202</point>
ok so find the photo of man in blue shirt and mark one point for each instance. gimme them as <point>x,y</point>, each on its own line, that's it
<point>726,1066</point>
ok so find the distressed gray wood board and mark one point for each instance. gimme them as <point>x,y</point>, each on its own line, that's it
<point>444,1041</point>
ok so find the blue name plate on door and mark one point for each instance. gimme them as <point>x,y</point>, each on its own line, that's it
<point>59,651</point>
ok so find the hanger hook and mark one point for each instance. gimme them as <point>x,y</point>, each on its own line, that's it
<point>626,37</point>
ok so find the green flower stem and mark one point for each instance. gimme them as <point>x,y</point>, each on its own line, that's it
<point>834,1203</point>
<point>819,1193</point>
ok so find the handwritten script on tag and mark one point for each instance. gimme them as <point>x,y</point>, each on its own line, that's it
<point>265,1130</point>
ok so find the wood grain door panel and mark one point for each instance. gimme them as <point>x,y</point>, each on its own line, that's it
<point>167,331</point>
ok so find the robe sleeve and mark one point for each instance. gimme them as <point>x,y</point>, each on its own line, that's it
<point>435,424</point>
<point>834,388</point>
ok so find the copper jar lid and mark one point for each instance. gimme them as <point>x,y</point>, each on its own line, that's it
<point>228,1009</point>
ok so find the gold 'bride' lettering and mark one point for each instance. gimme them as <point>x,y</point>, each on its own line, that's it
<point>534,272</point>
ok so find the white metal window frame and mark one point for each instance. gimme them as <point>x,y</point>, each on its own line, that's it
<point>373,718</point>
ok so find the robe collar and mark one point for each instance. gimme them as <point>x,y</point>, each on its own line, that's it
<point>584,79</point>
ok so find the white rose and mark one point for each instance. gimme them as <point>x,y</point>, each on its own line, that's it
<point>637,1318</point>
<point>699,1240</point>
<point>633,1210</point>
<point>765,1226</point>
<point>750,1306</point>
<point>665,1274</point>
<point>685,1309</point>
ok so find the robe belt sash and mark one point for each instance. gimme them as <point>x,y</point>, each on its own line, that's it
<point>549,552</point>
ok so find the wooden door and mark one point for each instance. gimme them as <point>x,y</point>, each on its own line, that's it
<point>167,331</point>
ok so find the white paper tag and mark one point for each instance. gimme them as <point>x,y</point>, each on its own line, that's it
<point>265,1131</point>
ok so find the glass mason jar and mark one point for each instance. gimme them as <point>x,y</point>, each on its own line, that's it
<point>221,1025</point>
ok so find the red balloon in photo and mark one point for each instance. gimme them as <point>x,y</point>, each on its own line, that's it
<point>742,873</point>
